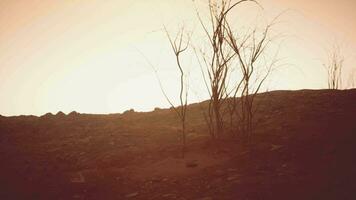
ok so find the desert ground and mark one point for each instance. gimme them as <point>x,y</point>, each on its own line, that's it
<point>303,147</point>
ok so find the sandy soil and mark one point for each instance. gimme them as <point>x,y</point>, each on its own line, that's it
<point>303,148</point>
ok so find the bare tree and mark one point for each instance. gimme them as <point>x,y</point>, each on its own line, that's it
<point>250,50</point>
<point>231,50</point>
<point>218,65</point>
<point>352,79</point>
<point>178,47</point>
<point>334,66</point>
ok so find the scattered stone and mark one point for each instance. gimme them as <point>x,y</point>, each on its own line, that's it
<point>131,195</point>
<point>232,178</point>
<point>275,147</point>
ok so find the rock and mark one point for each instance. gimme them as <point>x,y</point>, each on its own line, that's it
<point>60,114</point>
<point>275,147</point>
<point>73,113</point>
<point>131,195</point>
<point>191,164</point>
<point>232,178</point>
<point>47,115</point>
<point>131,111</point>
<point>157,109</point>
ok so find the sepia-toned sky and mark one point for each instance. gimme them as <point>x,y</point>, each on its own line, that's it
<point>92,56</point>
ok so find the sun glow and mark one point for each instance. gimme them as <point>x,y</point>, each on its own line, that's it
<point>88,56</point>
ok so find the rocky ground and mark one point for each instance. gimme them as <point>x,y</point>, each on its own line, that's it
<point>303,148</point>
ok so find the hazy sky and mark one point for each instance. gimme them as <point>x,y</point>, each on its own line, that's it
<point>86,55</point>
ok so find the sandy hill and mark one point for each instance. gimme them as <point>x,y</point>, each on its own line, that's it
<point>303,148</point>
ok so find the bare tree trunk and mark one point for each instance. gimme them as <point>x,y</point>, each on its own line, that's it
<point>183,94</point>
